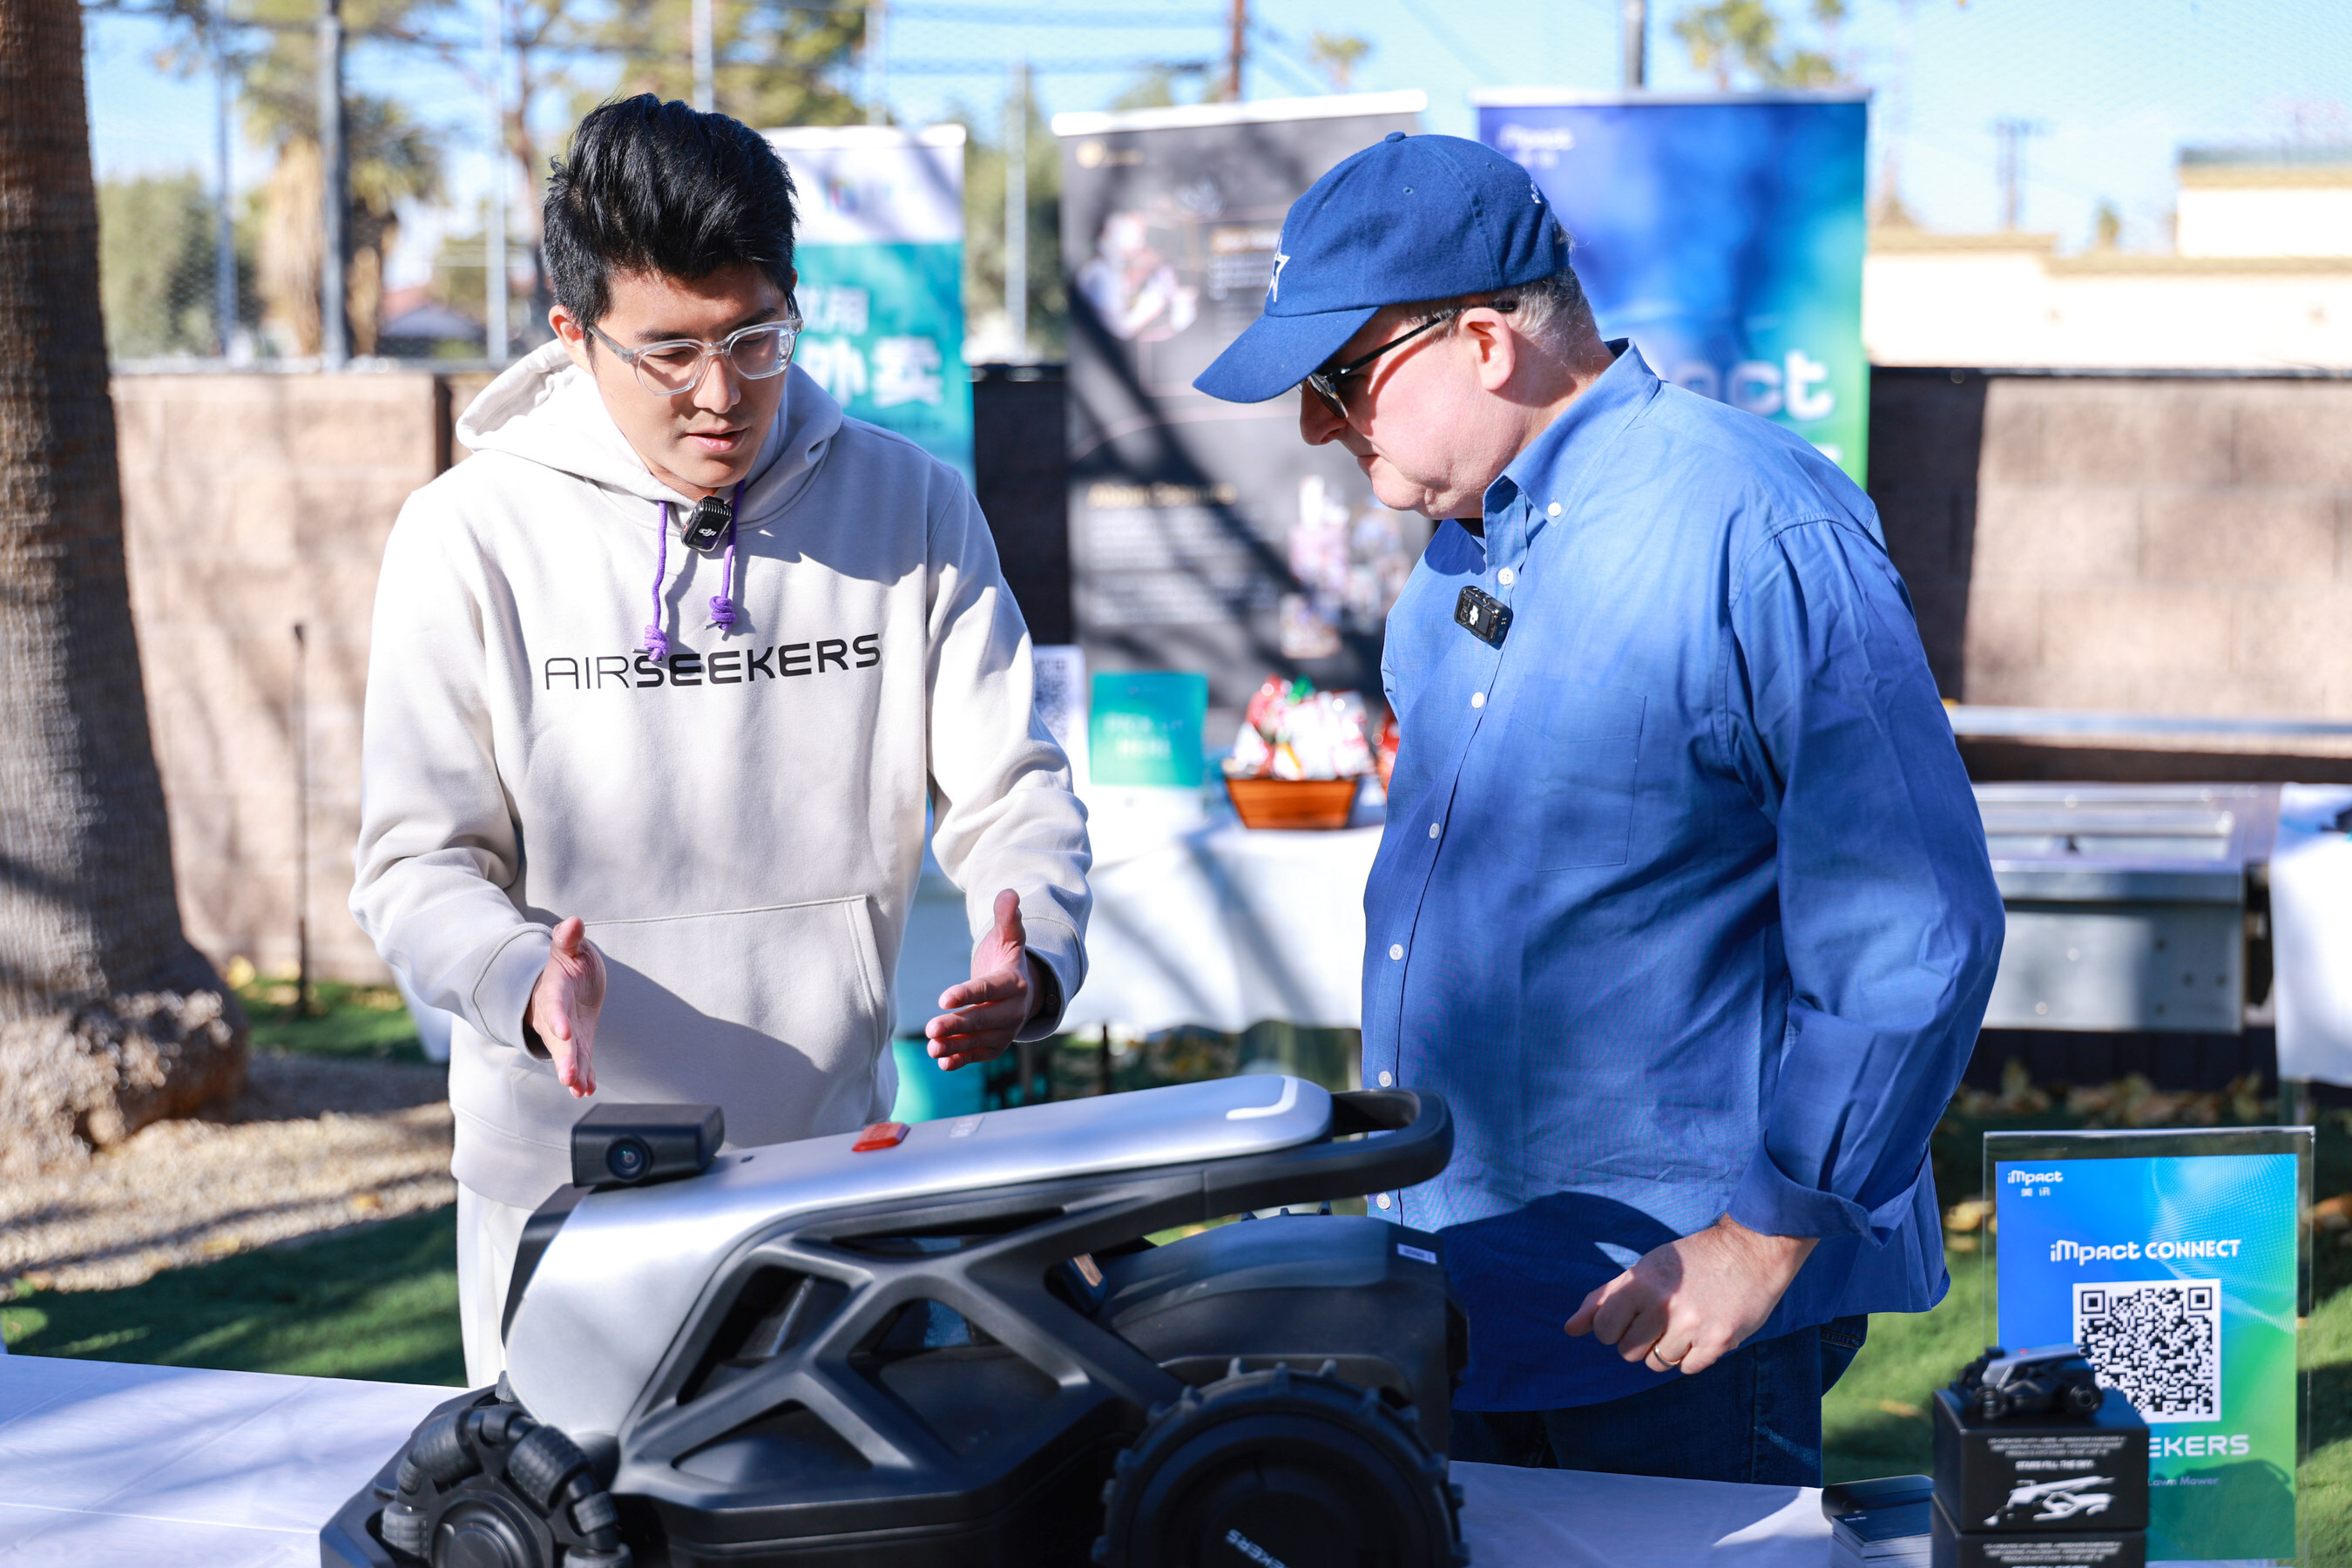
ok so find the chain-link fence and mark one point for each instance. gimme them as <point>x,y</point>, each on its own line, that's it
<point>2072,117</point>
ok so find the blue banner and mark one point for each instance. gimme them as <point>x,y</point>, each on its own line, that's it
<point>1723,234</point>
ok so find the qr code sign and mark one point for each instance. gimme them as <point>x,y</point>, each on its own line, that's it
<point>2158,1341</point>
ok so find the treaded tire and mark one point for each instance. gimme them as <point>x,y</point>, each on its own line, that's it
<point>1281,1467</point>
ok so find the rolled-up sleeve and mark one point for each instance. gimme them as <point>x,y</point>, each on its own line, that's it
<point>1889,915</point>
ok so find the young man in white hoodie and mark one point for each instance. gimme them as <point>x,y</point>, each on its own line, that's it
<point>663,677</point>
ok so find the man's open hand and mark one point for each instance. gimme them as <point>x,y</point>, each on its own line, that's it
<point>1691,1303</point>
<point>564,1004</point>
<point>979,1018</point>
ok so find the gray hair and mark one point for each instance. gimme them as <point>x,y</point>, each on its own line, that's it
<point>1552,311</point>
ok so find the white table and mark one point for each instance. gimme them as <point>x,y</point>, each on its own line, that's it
<point>1197,919</point>
<point>105,1464</point>
<point>2311,925</point>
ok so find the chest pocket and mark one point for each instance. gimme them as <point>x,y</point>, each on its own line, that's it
<point>1587,748</point>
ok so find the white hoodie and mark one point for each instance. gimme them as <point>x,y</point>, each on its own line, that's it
<point>740,826</point>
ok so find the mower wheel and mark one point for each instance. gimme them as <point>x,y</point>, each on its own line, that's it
<point>1278,1466</point>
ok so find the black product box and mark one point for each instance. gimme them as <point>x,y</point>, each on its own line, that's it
<point>1950,1548</point>
<point>2041,1474</point>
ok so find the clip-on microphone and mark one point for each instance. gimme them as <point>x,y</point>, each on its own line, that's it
<point>708,523</point>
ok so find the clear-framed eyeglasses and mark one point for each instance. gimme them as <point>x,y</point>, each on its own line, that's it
<point>678,364</point>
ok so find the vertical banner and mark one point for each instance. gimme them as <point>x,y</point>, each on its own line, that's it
<point>1722,233</point>
<point>2178,1261</point>
<point>1205,535</point>
<point>880,254</point>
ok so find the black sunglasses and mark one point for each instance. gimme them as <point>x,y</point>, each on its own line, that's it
<point>1325,383</point>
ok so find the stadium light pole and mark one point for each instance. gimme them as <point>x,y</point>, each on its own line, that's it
<point>1017,212</point>
<point>225,215</point>
<point>702,56</point>
<point>334,328</point>
<point>496,333</point>
<point>877,56</point>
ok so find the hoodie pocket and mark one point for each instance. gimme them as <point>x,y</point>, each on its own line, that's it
<point>779,1015</point>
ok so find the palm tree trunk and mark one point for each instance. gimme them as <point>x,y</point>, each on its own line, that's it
<point>108,1019</point>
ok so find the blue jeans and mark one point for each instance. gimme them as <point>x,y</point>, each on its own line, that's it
<point>1755,1415</point>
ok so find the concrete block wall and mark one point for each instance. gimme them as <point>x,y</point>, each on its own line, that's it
<point>2157,545</point>
<point>252,502</point>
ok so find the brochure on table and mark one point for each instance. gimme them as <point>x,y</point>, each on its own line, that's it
<point>2181,1262</point>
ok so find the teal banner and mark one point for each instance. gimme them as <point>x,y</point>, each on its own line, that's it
<point>1723,232</point>
<point>880,255</point>
<point>2180,1276</point>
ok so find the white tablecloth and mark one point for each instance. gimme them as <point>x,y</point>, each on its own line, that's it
<point>104,1464</point>
<point>1197,919</point>
<point>2311,925</point>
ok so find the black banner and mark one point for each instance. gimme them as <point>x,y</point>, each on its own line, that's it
<point>1206,535</point>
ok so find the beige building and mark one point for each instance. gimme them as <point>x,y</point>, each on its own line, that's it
<point>2260,278</point>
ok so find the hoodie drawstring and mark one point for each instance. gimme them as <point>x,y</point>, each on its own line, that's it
<point>722,603</point>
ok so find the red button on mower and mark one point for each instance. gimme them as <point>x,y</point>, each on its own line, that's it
<point>881,1135</point>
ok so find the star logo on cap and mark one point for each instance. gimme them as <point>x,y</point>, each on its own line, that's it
<point>1274,284</point>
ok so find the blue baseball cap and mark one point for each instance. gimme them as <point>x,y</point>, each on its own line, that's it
<point>1407,219</point>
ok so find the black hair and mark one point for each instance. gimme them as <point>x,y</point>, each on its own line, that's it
<point>656,187</point>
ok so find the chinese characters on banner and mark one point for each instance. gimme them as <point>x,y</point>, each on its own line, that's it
<point>1205,535</point>
<point>880,255</point>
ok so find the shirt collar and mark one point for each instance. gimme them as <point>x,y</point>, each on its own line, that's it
<point>1540,479</point>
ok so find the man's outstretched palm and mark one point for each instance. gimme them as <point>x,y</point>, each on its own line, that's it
<point>565,1003</point>
<point>979,1018</point>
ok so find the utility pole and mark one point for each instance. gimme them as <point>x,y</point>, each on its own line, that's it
<point>2012,136</point>
<point>301,737</point>
<point>1636,18</point>
<point>1017,212</point>
<point>1237,48</point>
<point>497,334</point>
<point>334,327</point>
<point>702,52</point>
<point>224,212</point>
<point>877,59</point>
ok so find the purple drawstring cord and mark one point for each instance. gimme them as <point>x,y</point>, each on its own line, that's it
<point>722,603</point>
<point>655,643</point>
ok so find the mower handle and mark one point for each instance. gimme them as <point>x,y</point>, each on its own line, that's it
<point>1407,1138</point>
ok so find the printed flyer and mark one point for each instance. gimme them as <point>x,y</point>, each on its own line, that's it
<point>2179,1275</point>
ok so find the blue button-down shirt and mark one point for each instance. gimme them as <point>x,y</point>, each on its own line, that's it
<point>1682,904</point>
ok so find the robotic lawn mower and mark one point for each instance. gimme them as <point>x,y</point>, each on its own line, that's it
<point>951,1345</point>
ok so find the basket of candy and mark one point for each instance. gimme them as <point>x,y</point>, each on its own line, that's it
<point>1300,757</point>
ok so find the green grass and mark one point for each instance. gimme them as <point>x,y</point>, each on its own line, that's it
<point>364,1022</point>
<point>379,1303</point>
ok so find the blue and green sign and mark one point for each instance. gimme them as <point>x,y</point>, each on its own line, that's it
<point>2179,1275</point>
<point>880,255</point>
<point>1722,233</point>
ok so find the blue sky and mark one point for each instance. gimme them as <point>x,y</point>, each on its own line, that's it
<point>2117,85</point>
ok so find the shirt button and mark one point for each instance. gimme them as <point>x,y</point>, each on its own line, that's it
<point>1553,509</point>
<point>1396,950</point>
<point>1382,1200</point>
<point>1433,831</point>
<point>1386,1080</point>
<point>1478,699</point>
<point>1507,577</point>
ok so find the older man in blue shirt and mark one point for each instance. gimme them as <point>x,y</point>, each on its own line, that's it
<point>1684,903</point>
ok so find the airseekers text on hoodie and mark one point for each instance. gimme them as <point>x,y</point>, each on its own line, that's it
<point>740,824</point>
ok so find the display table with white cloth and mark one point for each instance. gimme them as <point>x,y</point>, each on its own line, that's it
<point>1197,919</point>
<point>2311,933</point>
<point>103,1463</point>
